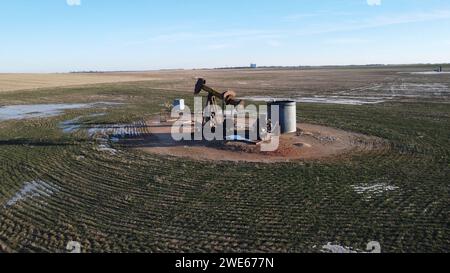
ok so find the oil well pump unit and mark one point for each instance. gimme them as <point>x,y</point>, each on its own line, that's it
<point>286,120</point>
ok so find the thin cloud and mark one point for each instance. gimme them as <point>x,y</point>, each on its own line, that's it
<point>297,17</point>
<point>409,18</point>
<point>381,21</point>
<point>274,37</point>
<point>274,43</point>
<point>73,2</point>
<point>221,46</point>
<point>347,41</point>
<point>374,2</point>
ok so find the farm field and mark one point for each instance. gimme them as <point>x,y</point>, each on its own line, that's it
<point>13,82</point>
<point>62,180</point>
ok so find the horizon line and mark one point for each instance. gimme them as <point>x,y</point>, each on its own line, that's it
<point>233,67</point>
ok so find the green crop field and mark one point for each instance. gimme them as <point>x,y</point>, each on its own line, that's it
<point>132,201</point>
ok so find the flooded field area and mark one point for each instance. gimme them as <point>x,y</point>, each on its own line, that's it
<point>30,111</point>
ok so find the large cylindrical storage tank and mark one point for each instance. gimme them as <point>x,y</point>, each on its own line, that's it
<point>288,115</point>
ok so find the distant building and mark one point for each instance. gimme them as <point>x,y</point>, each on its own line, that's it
<point>253,66</point>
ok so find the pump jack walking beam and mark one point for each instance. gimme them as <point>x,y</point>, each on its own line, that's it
<point>211,115</point>
<point>229,97</point>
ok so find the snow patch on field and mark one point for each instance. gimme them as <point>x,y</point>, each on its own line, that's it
<point>369,191</point>
<point>104,146</point>
<point>338,249</point>
<point>36,188</point>
<point>117,130</point>
<point>372,247</point>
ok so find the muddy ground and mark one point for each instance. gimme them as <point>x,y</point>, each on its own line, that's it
<point>311,142</point>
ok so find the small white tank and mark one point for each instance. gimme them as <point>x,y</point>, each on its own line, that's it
<point>179,103</point>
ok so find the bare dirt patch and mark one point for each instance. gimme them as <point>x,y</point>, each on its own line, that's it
<point>311,142</point>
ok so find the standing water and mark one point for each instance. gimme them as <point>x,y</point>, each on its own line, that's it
<point>13,112</point>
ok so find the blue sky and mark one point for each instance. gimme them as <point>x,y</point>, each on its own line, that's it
<point>74,35</point>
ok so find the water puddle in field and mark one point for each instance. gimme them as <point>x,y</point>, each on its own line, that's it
<point>113,131</point>
<point>324,100</point>
<point>36,188</point>
<point>419,90</point>
<point>74,125</point>
<point>70,126</point>
<point>19,112</point>
<point>430,73</point>
<point>104,134</point>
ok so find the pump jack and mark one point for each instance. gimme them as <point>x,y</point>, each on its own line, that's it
<point>227,98</point>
